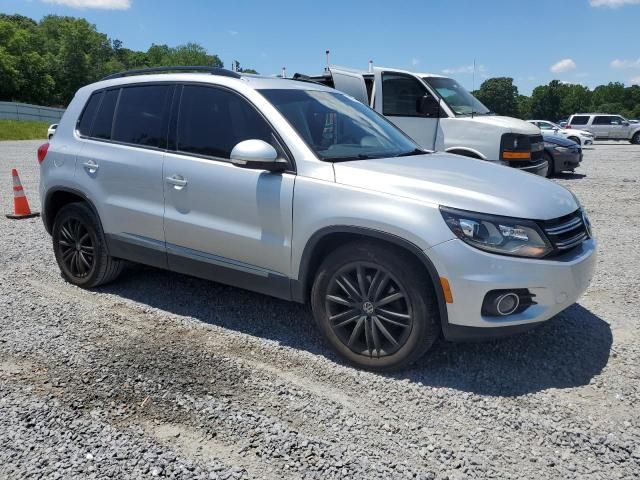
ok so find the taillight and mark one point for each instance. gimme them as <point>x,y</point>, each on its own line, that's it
<point>42,152</point>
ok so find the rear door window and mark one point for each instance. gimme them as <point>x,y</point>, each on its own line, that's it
<point>602,120</point>
<point>141,118</point>
<point>580,120</point>
<point>212,121</point>
<point>104,119</point>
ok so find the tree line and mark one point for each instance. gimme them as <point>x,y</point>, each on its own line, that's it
<point>45,62</point>
<point>558,100</point>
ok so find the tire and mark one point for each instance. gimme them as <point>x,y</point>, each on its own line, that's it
<point>551,169</point>
<point>80,247</point>
<point>575,139</point>
<point>411,320</point>
<point>635,139</point>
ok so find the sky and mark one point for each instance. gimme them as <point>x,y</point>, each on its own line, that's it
<point>533,41</point>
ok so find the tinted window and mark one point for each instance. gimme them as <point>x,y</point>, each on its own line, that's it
<point>602,120</point>
<point>401,95</point>
<point>142,115</point>
<point>89,113</point>
<point>212,121</point>
<point>104,119</point>
<point>579,120</point>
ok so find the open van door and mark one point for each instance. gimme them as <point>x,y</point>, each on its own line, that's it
<point>406,101</point>
<point>350,82</point>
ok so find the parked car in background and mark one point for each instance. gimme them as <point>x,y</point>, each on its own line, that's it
<point>562,154</point>
<point>440,114</point>
<point>634,120</point>
<point>606,127</point>
<point>563,123</point>
<point>581,137</point>
<point>51,130</point>
<point>391,245</point>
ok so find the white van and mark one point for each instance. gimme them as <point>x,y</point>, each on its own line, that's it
<point>439,114</point>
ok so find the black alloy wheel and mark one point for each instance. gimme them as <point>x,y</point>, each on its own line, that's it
<point>76,248</point>
<point>368,309</point>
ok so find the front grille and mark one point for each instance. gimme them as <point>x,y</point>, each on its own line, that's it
<point>566,233</point>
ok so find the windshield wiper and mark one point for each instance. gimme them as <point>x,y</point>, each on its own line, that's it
<point>360,156</point>
<point>415,151</point>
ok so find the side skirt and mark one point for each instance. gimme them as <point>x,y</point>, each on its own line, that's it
<point>199,264</point>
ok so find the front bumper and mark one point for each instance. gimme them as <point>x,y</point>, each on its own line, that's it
<point>566,161</point>
<point>556,283</point>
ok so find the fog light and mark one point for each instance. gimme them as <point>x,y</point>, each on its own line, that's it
<point>507,303</point>
<point>500,303</point>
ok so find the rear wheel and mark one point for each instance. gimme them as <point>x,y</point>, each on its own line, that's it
<point>80,248</point>
<point>636,139</point>
<point>376,308</point>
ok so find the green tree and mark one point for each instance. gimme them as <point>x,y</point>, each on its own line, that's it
<point>500,95</point>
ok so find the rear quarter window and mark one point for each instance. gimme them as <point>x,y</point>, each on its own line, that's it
<point>104,119</point>
<point>88,114</point>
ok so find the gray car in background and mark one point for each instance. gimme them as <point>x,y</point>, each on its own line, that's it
<point>606,127</point>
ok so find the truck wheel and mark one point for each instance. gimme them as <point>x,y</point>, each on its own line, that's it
<point>374,306</point>
<point>80,248</point>
<point>636,139</point>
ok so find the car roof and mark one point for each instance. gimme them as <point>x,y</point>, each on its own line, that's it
<point>257,82</point>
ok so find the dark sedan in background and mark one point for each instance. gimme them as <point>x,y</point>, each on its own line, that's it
<point>562,154</point>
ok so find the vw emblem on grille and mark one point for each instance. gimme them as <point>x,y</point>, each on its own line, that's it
<point>368,308</point>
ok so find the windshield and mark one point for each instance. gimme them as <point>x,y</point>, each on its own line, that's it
<point>456,97</point>
<point>339,128</point>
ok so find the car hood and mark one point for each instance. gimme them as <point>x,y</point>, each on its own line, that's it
<point>556,140</point>
<point>460,182</point>
<point>508,124</point>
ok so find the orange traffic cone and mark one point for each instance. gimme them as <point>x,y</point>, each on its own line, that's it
<point>20,203</point>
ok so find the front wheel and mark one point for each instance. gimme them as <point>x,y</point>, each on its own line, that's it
<point>375,306</point>
<point>551,168</point>
<point>80,248</point>
<point>636,139</point>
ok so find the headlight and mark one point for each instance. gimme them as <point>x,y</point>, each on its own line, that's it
<point>561,149</point>
<point>503,235</point>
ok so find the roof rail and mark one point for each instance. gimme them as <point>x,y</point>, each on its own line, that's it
<point>144,71</point>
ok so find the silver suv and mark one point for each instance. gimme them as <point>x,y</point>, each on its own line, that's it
<point>295,190</point>
<point>606,127</point>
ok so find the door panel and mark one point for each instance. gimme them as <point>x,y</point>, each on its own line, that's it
<point>228,215</point>
<point>125,181</point>
<point>397,98</point>
<point>600,126</point>
<point>216,212</point>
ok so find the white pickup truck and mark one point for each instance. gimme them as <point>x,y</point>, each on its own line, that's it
<point>439,114</point>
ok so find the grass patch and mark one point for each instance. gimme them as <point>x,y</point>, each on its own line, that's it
<point>19,130</point>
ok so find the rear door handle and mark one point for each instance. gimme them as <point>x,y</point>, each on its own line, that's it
<point>91,166</point>
<point>177,181</point>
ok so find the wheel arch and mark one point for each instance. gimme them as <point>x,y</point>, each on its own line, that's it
<point>58,197</point>
<point>329,238</point>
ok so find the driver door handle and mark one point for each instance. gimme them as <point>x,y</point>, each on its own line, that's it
<point>177,181</point>
<point>91,166</point>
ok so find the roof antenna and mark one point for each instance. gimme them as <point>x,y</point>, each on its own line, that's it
<point>370,66</point>
<point>327,52</point>
<point>473,87</point>
<point>284,72</point>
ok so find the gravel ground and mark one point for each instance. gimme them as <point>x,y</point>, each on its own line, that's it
<point>164,375</point>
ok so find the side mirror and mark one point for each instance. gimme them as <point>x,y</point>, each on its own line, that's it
<point>428,106</point>
<point>258,155</point>
<point>555,130</point>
